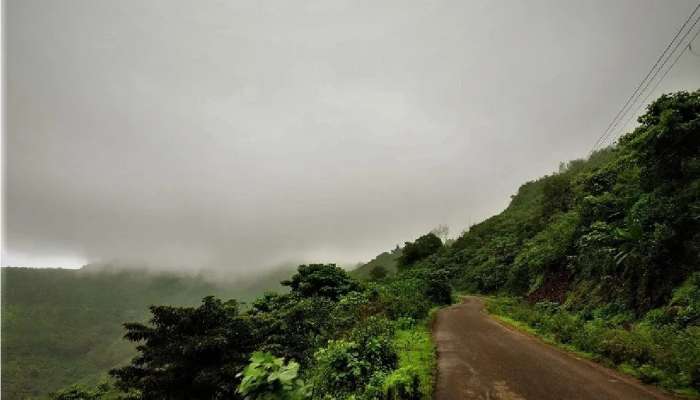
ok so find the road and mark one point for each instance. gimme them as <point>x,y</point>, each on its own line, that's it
<point>479,358</point>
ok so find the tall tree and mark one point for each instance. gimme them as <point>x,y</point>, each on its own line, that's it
<point>188,353</point>
<point>423,247</point>
<point>325,280</point>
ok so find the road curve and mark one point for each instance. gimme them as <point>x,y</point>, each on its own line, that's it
<point>478,358</point>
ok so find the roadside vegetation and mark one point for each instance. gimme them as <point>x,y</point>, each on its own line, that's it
<point>63,326</point>
<point>604,256</point>
<point>655,350</point>
<point>329,337</point>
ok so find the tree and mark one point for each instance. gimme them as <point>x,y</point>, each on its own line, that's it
<point>290,326</point>
<point>557,194</point>
<point>423,247</point>
<point>438,288</point>
<point>441,231</point>
<point>187,352</point>
<point>378,273</point>
<point>324,280</point>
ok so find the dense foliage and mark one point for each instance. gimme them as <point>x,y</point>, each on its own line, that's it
<point>321,280</point>
<point>187,352</point>
<point>607,251</point>
<point>423,247</point>
<point>62,326</point>
<point>268,378</point>
<point>656,349</point>
<point>619,228</point>
<point>378,273</point>
<point>330,337</point>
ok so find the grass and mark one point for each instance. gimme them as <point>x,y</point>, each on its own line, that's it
<point>416,353</point>
<point>523,327</point>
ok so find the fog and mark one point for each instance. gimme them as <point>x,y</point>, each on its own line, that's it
<point>239,135</point>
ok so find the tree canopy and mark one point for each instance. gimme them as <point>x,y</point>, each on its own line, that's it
<point>325,280</point>
<point>423,247</point>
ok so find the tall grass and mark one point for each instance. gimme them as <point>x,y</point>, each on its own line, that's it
<point>414,378</point>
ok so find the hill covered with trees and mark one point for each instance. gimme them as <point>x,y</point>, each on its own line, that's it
<point>606,253</point>
<point>385,262</point>
<point>62,326</point>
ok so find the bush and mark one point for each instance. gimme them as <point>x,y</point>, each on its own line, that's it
<point>650,374</point>
<point>358,364</point>
<point>375,340</point>
<point>78,392</point>
<point>686,301</point>
<point>403,384</point>
<point>438,288</point>
<point>293,327</point>
<point>401,298</point>
<point>268,378</point>
<point>339,370</point>
<point>659,353</point>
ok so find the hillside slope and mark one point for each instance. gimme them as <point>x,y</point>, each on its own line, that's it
<point>63,326</point>
<point>621,227</point>
<point>387,260</point>
<point>606,252</point>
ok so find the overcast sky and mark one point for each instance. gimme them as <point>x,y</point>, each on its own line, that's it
<point>240,135</point>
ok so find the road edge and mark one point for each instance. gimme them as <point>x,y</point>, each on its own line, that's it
<point>654,391</point>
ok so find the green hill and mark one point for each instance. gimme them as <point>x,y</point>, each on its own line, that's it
<point>622,226</point>
<point>604,256</point>
<point>64,326</point>
<point>388,260</point>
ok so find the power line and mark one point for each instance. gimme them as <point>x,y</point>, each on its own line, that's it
<point>620,114</point>
<point>663,76</point>
<point>656,86</point>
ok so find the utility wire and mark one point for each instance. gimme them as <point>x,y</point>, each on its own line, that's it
<point>620,114</point>
<point>662,77</point>
<point>688,47</point>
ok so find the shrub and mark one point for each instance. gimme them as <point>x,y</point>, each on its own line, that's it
<point>650,374</point>
<point>402,298</point>
<point>378,273</point>
<point>375,340</point>
<point>268,378</point>
<point>339,370</point>
<point>78,392</point>
<point>686,301</point>
<point>438,288</point>
<point>403,384</point>
<point>295,327</point>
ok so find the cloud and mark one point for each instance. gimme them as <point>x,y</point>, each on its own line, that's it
<point>242,135</point>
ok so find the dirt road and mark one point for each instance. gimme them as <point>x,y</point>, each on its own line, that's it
<point>478,358</point>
